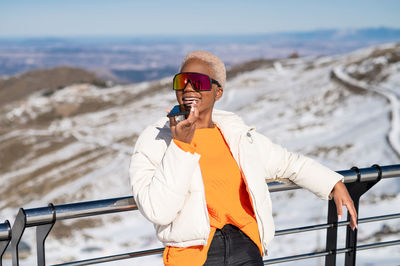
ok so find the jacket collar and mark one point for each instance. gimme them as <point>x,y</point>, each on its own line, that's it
<point>231,126</point>
<point>228,121</point>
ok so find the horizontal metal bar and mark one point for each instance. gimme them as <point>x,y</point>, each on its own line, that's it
<point>90,208</point>
<point>350,176</point>
<point>38,216</point>
<point>371,173</point>
<point>342,223</point>
<point>114,257</point>
<point>370,246</point>
<point>43,215</point>
<point>379,245</point>
<point>302,229</point>
<point>5,231</point>
<point>266,262</point>
<point>378,218</point>
<point>297,257</point>
<point>325,253</point>
<point>389,171</point>
<point>276,187</point>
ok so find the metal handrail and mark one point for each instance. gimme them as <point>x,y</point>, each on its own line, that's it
<point>42,215</point>
<point>350,176</point>
<point>5,231</point>
<point>5,237</point>
<point>44,218</point>
<point>311,255</point>
<point>324,253</point>
<point>338,224</point>
<point>130,255</point>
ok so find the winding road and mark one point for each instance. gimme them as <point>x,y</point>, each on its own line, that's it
<point>393,136</point>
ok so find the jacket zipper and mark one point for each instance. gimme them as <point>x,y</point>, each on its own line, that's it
<point>251,194</point>
<point>206,212</point>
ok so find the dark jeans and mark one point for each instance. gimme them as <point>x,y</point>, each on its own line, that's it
<point>232,247</point>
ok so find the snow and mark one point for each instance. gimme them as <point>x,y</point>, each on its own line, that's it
<point>294,102</point>
<point>394,134</point>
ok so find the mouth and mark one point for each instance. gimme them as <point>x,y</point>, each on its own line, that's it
<point>189,101</point>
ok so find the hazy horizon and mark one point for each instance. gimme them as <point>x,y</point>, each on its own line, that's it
<point>347,31</point>
<point>176,17</point>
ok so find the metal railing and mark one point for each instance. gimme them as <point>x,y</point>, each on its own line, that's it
<point>357,181</point>
<point>5,237</point>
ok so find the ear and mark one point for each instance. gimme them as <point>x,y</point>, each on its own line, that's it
<point>219,93</point>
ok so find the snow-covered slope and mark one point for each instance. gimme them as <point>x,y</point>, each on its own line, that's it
<point>75,145</point>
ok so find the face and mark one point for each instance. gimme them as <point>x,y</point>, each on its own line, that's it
<point>205,99</point>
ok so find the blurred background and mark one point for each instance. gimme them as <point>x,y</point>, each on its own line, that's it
<point>80,80</point>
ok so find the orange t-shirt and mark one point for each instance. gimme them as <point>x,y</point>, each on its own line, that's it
<point>227,198</point>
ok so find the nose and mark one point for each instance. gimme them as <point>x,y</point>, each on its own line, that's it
<point>189,86</point>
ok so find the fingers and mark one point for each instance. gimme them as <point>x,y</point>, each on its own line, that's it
<point>184,130</point>
<point>194,114</point>
<point>196,111</point>
<point>339,209</point>
<point>353,214</point>
<point>348,202</point>
<point>172,123</point>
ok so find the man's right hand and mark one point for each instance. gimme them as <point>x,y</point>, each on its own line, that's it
<point>184,130</point>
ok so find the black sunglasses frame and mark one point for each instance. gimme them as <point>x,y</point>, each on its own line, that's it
<point>212,81</point>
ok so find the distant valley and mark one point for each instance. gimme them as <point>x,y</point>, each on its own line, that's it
<point>74,144</point>
<point>144,58</point>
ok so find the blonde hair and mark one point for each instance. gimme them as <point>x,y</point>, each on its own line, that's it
<point>212,60</point>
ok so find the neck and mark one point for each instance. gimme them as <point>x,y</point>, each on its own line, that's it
<point>205,121</point>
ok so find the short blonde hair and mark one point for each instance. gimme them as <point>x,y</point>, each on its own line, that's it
<point>212,60</point>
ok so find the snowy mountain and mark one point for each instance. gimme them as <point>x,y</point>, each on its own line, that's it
<point>75,145</point>
<point>143,58</point>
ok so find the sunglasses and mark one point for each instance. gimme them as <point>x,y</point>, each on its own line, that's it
<point>199,82</point>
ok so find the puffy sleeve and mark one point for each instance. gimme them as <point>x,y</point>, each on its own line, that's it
<point>160,176</point>
<point>282,165</point>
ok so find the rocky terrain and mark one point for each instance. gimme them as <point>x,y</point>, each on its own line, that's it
<point>44,81</point>
<point>74,144</point>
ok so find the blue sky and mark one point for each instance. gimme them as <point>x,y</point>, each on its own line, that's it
<point>155,17</point>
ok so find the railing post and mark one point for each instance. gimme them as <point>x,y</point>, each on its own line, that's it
<point>42,231</point>
<point>356,190</point>
<point>4,241</point>
<point>16,234</point>
<point>331,235</point>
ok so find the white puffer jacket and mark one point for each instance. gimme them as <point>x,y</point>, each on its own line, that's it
<point>168,187</point>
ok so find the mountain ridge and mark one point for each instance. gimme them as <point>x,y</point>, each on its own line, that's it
<point>143,58</point>
<point>295,102</point>
<point>46,81</point>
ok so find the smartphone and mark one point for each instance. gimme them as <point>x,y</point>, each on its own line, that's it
<point>178,110</point>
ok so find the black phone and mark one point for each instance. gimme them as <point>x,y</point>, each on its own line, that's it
<point>179,109</point>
